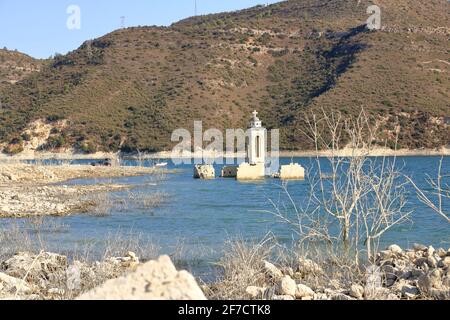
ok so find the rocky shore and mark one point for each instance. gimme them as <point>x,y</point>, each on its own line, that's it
<point>30,201</point>
<point>346,152</point>
<point>49,276</point>
<point>31,190</point>
<point>39,174</point>
<point>420,273</point>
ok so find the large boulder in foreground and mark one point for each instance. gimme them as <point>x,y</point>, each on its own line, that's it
<point>154,280</point>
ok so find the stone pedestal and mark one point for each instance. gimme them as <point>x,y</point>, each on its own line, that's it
<point>293,171</point>
<point>229,172</point>
<point>251,172</point>
<point>204,172</point>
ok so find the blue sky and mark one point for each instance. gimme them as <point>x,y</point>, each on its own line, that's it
<point>39,28</point>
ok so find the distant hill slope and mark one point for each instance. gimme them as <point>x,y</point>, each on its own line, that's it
<point>15,66</point>
<point>131,88</point>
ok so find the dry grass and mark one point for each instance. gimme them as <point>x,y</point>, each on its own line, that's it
<point>101,204</point>
<point>146,200</point>
<point>65,277</point>
<point>85,265</point>
<point>242,266</point>
<point>13,239</point>
<point>120,243</point>
<point>337,270</point>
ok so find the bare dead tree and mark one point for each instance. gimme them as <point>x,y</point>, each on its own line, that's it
<point>439,189</point>
<point>354,199</point>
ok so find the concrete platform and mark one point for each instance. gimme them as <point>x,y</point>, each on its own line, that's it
<point>229,172</point>
<point>293,171</point>
<point>250,172</point>
<point>205,171</point>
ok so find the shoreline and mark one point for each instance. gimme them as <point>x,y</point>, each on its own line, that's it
<point>33,190</point>
<point>377,152</point>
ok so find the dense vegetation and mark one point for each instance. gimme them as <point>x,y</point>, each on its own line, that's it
<point>16,66</point>
<point>131,88</point>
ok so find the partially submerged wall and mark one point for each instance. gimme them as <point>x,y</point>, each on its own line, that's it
<point>251,172</point>
<point>204,172</point>
<point>292,171</point>
<point>229,172</point>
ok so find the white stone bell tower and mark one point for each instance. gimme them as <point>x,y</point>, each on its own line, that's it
<point>257,146</point>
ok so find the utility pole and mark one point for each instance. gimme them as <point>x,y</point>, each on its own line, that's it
<point>195,8</point>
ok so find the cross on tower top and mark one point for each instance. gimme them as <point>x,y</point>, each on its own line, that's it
<point>255,115</point>
<point>255,123</point>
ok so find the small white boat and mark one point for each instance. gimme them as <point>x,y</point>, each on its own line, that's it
<point>161,164</point>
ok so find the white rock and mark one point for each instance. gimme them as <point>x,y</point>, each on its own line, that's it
<point>356,291</point>
<point>60,208</point>
<point>431,280</point>
<point>445,262</point>
<point>56,291</point>
<point>391,297</point>
<point>430,251</point>
<point>272,271</point>
<point>303,291</point>
<point>286,286</point>
<point>13,284</point>
<point>307,266</point>
<point>411,255</point>
<point>35,266</point>
<point>255,292</point>
<point>385,255</point>
<point>446,281</point>
<point>441,253</point>
<point>133,256</point>
<point>400,266</point>
<point>419,247</point>
<point>283,297</point>
<point>204,172</point>
<point>395,249</point>
<point>431,261</point>
<point>154,280</point>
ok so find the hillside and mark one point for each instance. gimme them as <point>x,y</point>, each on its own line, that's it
<point>16,66</point>
<point>131,88</point>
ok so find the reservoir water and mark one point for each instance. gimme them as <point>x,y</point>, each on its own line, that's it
<point>198,217</point>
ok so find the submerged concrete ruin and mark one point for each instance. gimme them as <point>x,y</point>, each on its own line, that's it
<point>204,172</point>
<point>254,168</point>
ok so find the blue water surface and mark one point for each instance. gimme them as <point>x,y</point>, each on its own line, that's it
<point>201,215</point>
